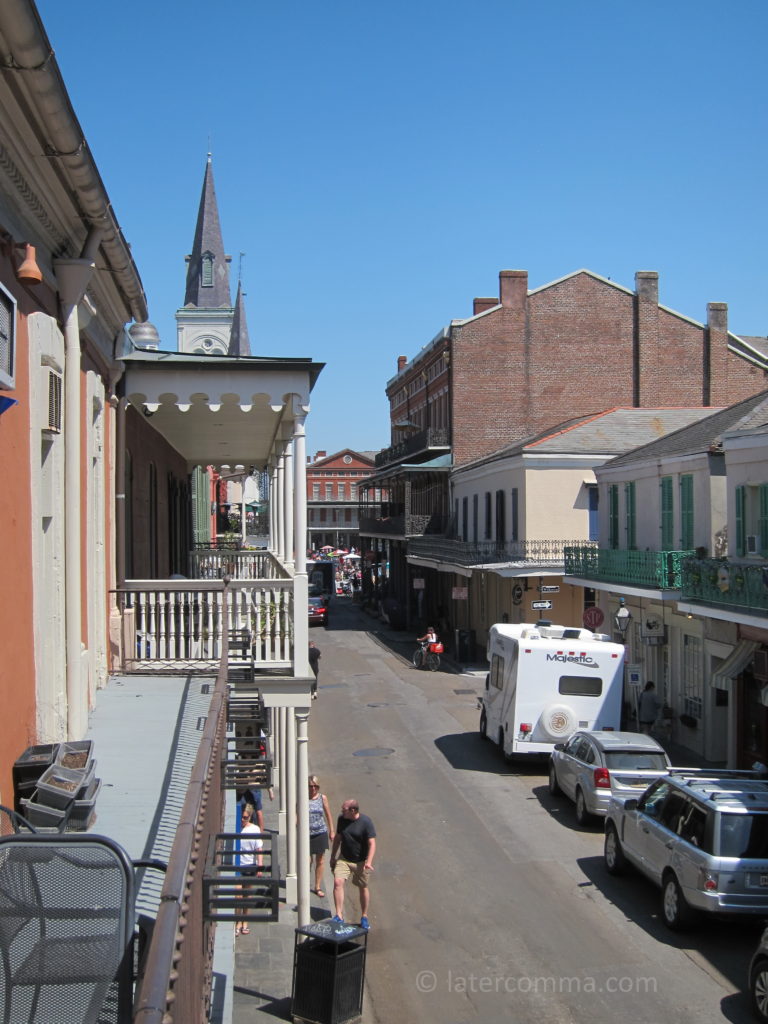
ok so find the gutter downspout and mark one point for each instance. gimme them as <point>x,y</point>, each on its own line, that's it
<point>73,277</point>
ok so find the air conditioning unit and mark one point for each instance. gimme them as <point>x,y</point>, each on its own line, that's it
<point>753,544</point>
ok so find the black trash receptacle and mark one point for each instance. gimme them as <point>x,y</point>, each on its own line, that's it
<point>328,973</point>
<point>465,645</point>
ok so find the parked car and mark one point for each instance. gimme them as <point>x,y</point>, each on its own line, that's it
<point>702,837</point>
<point>318,611</point>
<point>758,980</point>
<point>594,765</point>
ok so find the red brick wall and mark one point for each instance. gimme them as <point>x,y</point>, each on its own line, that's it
<point>577,347</point>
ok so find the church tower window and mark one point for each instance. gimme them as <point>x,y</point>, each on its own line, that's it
<point>206,270</point>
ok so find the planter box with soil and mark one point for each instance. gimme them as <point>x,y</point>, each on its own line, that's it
<point>74,755</point>
<point>83,812</point>
<point>58,786</point>
<point>41,816</point>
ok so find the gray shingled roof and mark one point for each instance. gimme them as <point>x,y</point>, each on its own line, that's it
<point>704,435</point>
<point>208,239</point>
<point>239,343</point>
<point>612,432</point>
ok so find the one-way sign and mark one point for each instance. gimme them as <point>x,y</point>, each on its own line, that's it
<point>541,605</point>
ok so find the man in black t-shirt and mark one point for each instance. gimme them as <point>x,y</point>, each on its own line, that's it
<point>354,847</point>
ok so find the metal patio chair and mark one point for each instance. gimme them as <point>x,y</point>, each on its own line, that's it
<point>67,925</point>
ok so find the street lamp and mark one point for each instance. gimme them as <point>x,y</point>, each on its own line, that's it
<point>622,619</point>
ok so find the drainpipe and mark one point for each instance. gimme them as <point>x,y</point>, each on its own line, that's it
<point>73,277</point>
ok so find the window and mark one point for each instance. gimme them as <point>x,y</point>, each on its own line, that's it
<point>465,518</point>
<point>328,492</point>
<point>206,270</point>
<point>692,677</point>
<point>497,671</point>
<point>686,512</point>
<point>667,514</point>
<point>487,515</point>
<point>353,492</point>
<point>342,489</point>
<point>580,686</point>
<point>629,512</point>
<point>316,491</point>
<point>7,340</point>
<point>762,519</point>
<point>592,507</point>
<point>474,518</point>
<point>613,516</point>
<point>501,526</point>
<point>515,535</point>
<point>741,533</point>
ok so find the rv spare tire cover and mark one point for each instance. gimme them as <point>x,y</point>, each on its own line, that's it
<point>558,721</point>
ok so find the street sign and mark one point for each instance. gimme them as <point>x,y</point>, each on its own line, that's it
<point>549,590</point>
<point>593,618</point>
<point>541,605</point>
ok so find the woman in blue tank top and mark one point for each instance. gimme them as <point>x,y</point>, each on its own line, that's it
<point>320,830</point>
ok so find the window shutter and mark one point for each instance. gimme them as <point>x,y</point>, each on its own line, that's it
<point>762,523</point>
<point>667,514</point>
<point>686,512</point>
<point>740,532</point>
<point>629,501</point>
<point>613,515</point>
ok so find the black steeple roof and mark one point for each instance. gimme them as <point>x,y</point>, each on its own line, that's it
<point>239,344</point>
<point>208,270</point>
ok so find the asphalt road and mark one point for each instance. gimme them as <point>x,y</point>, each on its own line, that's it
<point>488,902</point>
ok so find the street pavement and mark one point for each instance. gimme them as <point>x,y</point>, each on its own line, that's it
<point>489,904</point>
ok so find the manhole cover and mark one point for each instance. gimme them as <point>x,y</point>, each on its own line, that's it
<point>461,692</point>
<point>374,752</point>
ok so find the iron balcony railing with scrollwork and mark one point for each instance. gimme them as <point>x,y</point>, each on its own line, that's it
<point>726,583</point>
<point>431,437</point>
<point>443,549</point>
<point>659,570</point>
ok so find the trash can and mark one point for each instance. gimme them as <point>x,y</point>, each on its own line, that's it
<point>465,645</point>
<point>328,973</point>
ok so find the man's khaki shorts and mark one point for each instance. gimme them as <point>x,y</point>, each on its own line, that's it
<point>355,872</point>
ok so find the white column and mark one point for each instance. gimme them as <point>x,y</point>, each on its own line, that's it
<point>300,539</point>
<point>282,754</point>
<point>289,501</point>
<point>291,890</point>
<point>273,509</point>
<point>280,513</point>
<point>302,773</point>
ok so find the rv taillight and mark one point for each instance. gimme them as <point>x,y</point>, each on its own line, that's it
<point>614,655</point>
<point>602,778</point>
<point>526,727</point>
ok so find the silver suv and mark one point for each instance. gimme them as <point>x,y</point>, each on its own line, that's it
<point>702,837</point>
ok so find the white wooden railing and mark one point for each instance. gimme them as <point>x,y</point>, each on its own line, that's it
<point>165,622</point>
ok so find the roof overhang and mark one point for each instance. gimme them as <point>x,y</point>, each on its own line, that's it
<point>220,411</point>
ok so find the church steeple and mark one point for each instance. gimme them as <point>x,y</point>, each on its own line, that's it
<point>239,344</point>
<point>207,269</point>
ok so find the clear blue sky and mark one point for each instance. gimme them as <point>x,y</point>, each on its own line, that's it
<point>379,163</point>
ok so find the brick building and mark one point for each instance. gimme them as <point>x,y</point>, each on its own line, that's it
<point>524,361</point>
<point>332,494</point>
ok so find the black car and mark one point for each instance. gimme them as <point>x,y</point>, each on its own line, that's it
<point>318,611</point>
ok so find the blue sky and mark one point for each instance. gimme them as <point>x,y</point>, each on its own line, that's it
<point>380,163</point>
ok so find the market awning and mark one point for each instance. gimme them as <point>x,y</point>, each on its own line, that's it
<point>734,664</point>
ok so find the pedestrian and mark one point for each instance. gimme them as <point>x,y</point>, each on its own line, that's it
<point>320,831</point>
<point>354,847</point>
<point>314,664</point>
<point>648,707</point>
<point>251,845</point>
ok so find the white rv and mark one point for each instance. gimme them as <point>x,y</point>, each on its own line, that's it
<point>545,682</point>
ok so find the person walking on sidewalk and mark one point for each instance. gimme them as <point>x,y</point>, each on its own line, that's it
<point>354,847</point>
<point>648,709</point>
<point>314,664</point>
<point>320,830</point>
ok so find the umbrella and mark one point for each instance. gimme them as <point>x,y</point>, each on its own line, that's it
<point>328,547</point>
<point>350,558</point>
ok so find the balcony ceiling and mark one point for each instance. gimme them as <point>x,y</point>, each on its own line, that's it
<point>216,410</point>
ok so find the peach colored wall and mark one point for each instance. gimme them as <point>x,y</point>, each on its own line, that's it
<point>17,659</point>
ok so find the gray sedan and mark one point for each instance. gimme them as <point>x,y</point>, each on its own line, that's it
<point>595,764</point>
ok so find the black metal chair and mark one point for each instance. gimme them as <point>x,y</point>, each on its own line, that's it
<point>67,926</point>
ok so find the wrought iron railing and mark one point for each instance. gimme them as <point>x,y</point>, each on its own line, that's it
<point>175,986</point>
<point>215,564</point>
<point>460,552</point>
<point>724,583</point>
<point>661,570</point>
<point>432,437</point>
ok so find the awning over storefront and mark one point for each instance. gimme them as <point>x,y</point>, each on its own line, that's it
<point>734,664</point>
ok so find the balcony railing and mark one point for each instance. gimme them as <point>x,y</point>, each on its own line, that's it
<point>660,570</point>
<point>541,552</point>
<point>432,437</point>
<point>726,584</point>
<point>216,563</point>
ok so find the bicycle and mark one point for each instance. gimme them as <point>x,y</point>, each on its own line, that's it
<point>425,657</point>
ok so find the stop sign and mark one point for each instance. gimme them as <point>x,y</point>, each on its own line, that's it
<point>593,618</point>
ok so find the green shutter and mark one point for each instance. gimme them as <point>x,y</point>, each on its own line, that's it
<point>667,514</point>
<point>613,516</point>
<point>629,501</point>
<point>762,523</point>
<point>686,512</point>
<point>741,543</point>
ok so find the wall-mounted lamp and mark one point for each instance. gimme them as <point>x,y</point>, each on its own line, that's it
<point>622,619</point>
<point>29,270</point>
<point>447,356</point>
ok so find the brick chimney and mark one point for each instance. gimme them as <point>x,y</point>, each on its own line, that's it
<point>320,455</point>
<point>716,360</point>
<point>401,361</point>
<point>480,305</point>
<point>647,286</point>
<point>513,288</point>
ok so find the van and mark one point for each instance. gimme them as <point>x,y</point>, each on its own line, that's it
<point>547,681</point>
